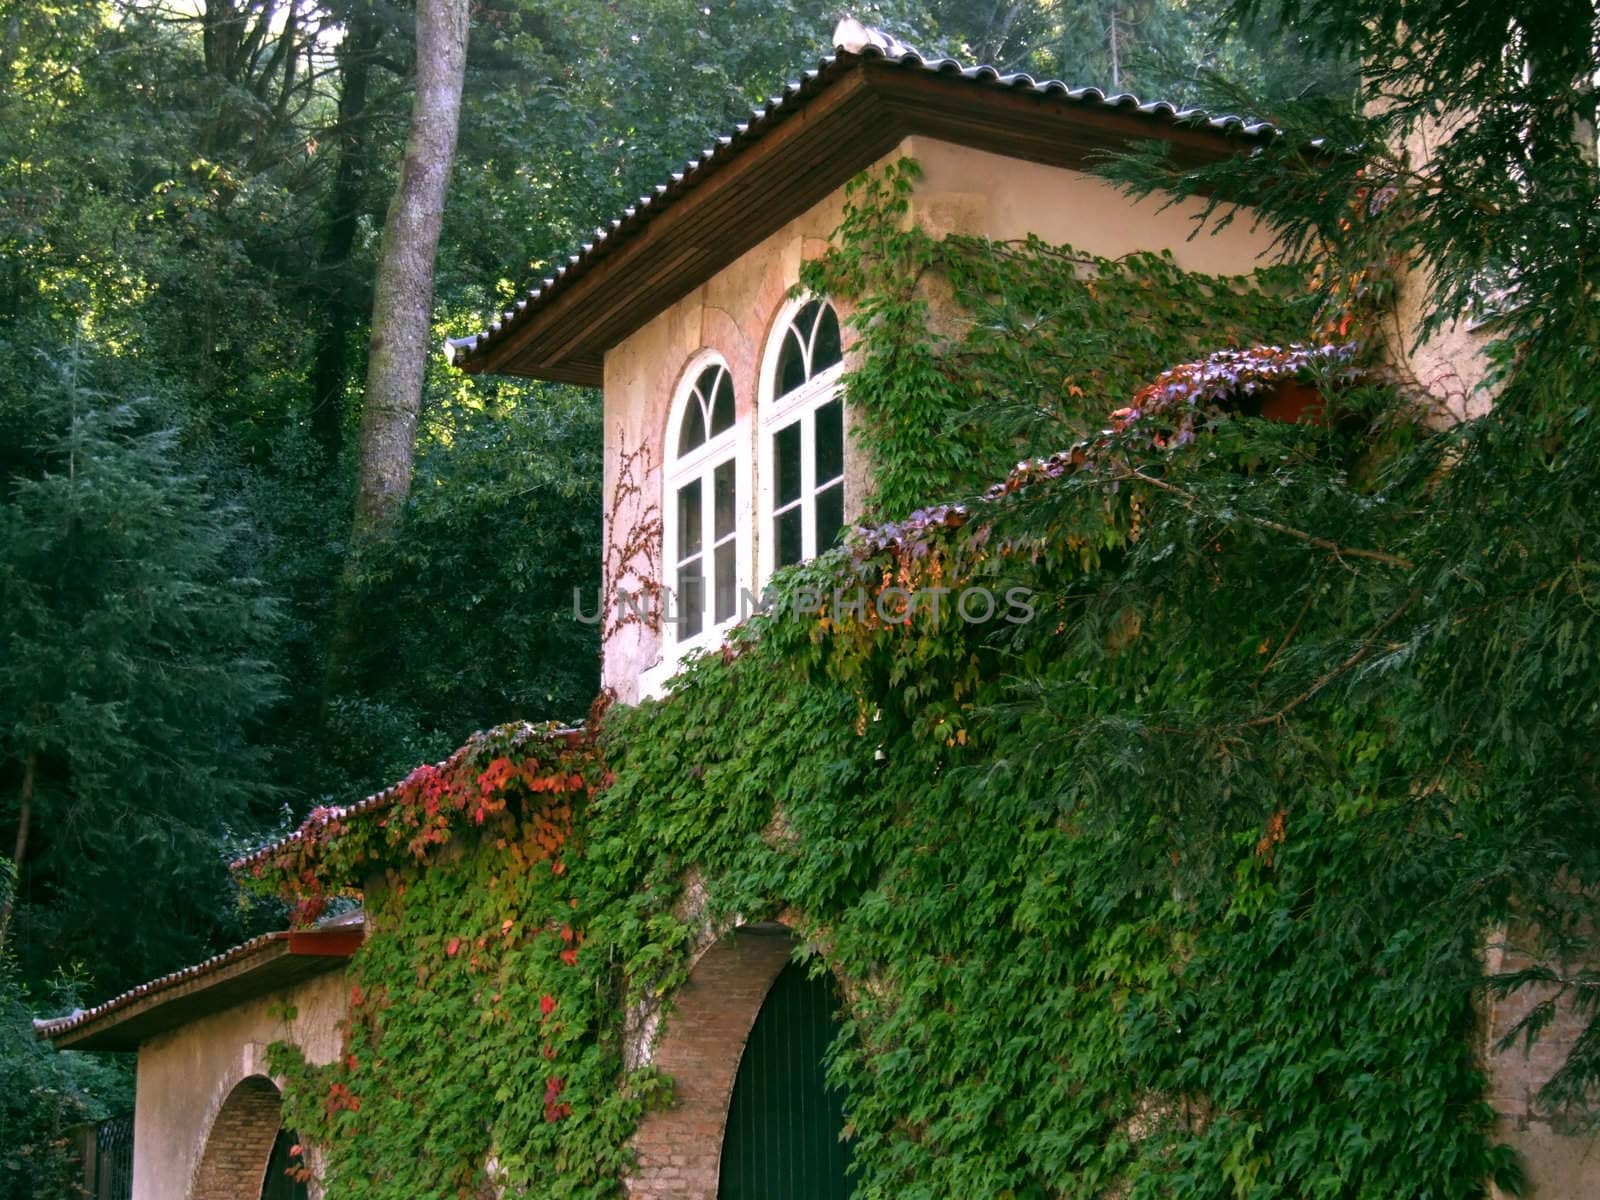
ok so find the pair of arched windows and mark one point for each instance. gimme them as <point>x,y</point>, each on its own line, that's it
<point>798,474</point>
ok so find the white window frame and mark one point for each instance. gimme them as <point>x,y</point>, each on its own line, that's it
<point>700,463</point>
<point>775,412</point>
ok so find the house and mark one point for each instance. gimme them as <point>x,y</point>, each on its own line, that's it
<point>728,456</point>
<point>720,385</point>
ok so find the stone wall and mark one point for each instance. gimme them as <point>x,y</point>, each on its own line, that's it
<point>1561,1164</point>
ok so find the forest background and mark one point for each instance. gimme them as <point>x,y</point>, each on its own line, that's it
<point>191,211</point>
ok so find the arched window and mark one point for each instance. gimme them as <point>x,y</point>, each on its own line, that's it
<point>701,510</point>
<point>802,436</point>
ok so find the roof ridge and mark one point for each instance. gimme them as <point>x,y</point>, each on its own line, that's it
<point>874,45</point>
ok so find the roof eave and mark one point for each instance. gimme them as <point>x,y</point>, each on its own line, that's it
<point>841,118</point>
<point>260,967</point>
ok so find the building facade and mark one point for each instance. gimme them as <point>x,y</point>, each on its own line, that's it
<point>728,455</point>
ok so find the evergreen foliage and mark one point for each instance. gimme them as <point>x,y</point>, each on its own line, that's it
<point>137,656</point>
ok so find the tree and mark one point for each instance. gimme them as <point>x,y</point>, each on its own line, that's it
<point>1159,49</point>
<point>341,291</point>
<point>1466,182</point>
<point>137,653</point>
<point>402,307</point>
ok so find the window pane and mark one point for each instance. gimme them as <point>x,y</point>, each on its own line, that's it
<point>722,488</point>
<point>830,516</point>
<point>727,580</point>
<point>689,520</point>
<point>786,464</point>
<point>830,441</point>
<point>826,350</point>
<point>693,430</point>
<point>791,363</point>
<point>786,527</point>
<point>722,404</point>
<point>806,320</point>
<point>691,600</point>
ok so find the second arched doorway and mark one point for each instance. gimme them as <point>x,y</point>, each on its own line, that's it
<point>248,1154</point>
<point>782,1139</point>
<point>751,1021</point>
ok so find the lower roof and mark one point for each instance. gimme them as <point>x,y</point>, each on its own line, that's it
<point>259,967</point>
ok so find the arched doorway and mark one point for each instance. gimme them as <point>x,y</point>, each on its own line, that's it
<point>701,1042</point>
<point>247,1153</point>
<point>782,1140</point>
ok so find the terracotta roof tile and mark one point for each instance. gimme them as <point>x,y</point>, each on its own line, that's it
<point>466,352</point>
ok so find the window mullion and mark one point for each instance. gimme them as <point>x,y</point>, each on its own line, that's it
<point>808,482</point>
<point>708,539</point>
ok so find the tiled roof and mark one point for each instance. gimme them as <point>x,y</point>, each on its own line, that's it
<point>82,1016</point>
<point>320,818</point>
<point>254,959</point>
<point>466,352</point>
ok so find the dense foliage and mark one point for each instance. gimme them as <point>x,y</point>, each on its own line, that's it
<point>1304,714</point>
<point>1095,937</point>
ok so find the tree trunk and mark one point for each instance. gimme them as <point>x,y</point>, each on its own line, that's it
<point>341,298</point>
<point>402,300</point>
<point>24,818</point>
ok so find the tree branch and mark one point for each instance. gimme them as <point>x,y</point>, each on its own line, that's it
<point>1321,543</point>
<point>1322,681</point>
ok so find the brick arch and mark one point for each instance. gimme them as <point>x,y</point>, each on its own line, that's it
<point>699,1045</point>
<point>239,1142</point>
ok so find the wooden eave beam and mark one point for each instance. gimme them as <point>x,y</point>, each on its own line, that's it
<point>728,207</point>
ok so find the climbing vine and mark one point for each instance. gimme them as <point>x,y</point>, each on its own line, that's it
<point>1167,890</point>
<point>977,353</point>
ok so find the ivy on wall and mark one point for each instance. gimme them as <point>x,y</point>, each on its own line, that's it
<point>976,353</point>
<point>1136,896</point>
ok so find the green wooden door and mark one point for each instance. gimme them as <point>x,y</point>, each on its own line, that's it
<point>782,1140</point>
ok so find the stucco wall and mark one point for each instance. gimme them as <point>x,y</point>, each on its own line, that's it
<point>1446,367</point>
<point>962,190</point>
<point>1561,1164</point>
<point>186,1076</point>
